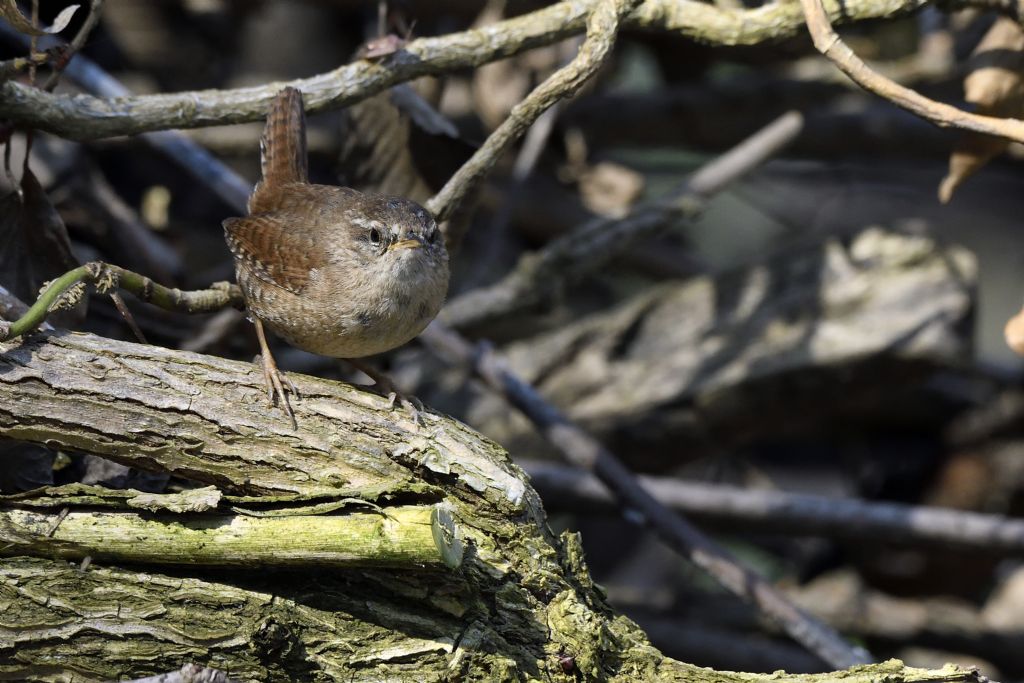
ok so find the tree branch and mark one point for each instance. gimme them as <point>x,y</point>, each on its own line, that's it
<point>399,537</point>
<point>828,42</point>
<point>66,290</point>
<point>589,246</point>
<point>793,513</point>
<point>602,28</point>
<point>83,118</point>
<point>584,451</point>
<point>205,419</point>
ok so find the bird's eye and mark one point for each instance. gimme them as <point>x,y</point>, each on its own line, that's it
<point>374,236</point>
<point>433,236</point>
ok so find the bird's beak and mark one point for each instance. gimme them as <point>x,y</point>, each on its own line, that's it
<point>405,244</point>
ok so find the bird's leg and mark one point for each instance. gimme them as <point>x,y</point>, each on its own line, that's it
<point>383,384</point>
<point>274,379</point>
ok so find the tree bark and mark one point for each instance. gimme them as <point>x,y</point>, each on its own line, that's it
<point>520,606</point>
<point>402,536</point>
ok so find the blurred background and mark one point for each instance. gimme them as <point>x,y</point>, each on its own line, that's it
<point>824,325</point>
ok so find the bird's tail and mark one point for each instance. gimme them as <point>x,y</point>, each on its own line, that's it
<point>282,149</point>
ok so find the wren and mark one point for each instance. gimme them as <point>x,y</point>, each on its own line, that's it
<point>330,269</point>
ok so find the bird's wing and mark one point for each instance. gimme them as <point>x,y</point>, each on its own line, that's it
<point>274,250</point>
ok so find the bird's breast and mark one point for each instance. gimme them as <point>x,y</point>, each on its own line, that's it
<point>346,319</point>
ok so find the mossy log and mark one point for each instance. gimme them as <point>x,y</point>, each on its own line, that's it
<point>519,606</point>
<point>400,537</point>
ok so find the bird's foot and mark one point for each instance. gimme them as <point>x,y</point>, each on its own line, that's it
<point>277,383</point>
<point>384,385</point>
<point>412,405</point>
<point>278,386</point>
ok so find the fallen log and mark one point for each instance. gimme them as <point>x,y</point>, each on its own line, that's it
<point>519,606</point>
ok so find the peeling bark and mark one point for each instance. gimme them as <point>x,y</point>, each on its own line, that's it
<point>520,607</point>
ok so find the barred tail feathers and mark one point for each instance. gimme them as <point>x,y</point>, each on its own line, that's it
<point>282,148</point>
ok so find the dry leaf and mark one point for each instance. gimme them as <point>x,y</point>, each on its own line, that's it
<point>995,84</point>
<point>44,230</point>
<point>16,272</point>
<point>380,47</point>
<point>375,154</point>
<point>10,12</point>
<point>396,143</point>
<point>34,245</point>
<point>610,189</point>
<point>1014,333</point>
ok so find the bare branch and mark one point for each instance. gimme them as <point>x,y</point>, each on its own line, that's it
<point>794,513</point>
<point>586,452</point>
<point>12,67</point>
<point>828,42</point>
<point>408,537</point>
<point>594,243</point>
<point>602,28</point>
<point>65,290</point>
<point>84,118</point>
<point>205,419</point>
<point>95,9</point>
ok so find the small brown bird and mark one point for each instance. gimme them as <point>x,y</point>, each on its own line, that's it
<point>330,269</point>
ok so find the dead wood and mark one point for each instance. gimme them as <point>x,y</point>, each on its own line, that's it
<point>786,348</point>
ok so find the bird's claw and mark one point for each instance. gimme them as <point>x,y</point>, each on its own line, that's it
<point>412,405</point>
<point>384,385</point>
<point>278,385</point>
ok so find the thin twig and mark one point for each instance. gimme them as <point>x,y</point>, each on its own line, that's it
<point>32,41</point>
<point>534,142</point>
<point>95,8</point>
<point>82,117</point>
<point>828,42</point>
<point>584,451</point>
<point>129,319</point>
<point>12,67</point>
<point>602,29</point>
<point>795,513</point>
<point>584,250</point>
<point>12,308</point>
<point>205,167</point>
<point>61,516</point>
<point>106,278</point>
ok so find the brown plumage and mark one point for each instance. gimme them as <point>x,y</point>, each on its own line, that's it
<point>330,269</point>
<point>283,157</point>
